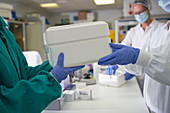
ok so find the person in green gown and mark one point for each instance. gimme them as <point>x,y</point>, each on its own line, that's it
<point>25,89</point>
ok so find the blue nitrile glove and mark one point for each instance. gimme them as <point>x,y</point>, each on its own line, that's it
<point>121,55</point>
<point>128,76</point>
<point>59,72</point>
<point>110,68</point>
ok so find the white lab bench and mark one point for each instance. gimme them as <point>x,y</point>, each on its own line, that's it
<point>125,99</point>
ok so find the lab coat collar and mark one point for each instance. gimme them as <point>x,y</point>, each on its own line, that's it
<point>2,22</point>
<point>167,26</point>
<point>147,27</point>
<point>151,24</point>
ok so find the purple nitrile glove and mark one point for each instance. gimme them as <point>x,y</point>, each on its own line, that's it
<point>60,72</point>
<point>121,55</point>
<point>128,76</point>
<point>111,68</point>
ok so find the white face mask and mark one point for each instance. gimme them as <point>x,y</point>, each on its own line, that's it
<point>141,18</point>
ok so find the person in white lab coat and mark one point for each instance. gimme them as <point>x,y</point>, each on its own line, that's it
<point>155,64</point>
<point>139,35</point>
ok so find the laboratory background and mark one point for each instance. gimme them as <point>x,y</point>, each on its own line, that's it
<point>89,89</point>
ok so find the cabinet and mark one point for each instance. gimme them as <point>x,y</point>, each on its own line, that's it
<point>18,29</point>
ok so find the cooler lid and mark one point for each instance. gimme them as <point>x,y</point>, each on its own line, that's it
<point>75,32</point>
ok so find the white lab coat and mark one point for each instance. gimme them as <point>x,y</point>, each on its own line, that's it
<point>138,38</point>
<point>156,66</point>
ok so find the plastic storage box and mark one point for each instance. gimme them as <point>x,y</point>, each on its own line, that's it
<point>112,80</point>
<point>81,44</point>
<point>84,94</point>
<point>70,95</point>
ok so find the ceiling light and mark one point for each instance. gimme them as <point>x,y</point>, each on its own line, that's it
<point>104,2</point>
<point>49,5</point>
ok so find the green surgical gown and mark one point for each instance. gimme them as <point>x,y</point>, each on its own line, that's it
<point>23,89</point>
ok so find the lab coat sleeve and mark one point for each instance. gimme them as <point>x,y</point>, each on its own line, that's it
<point>30,96</point>
<point>157,66</point>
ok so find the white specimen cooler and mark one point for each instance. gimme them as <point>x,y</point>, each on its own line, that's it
<point>81,44</point>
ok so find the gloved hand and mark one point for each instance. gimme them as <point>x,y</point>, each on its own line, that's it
<point>110,68</point>
<point>128,76</point>
<point>59,72</point>
<point>121,55</point>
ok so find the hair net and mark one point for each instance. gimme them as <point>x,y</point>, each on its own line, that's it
<point>146,3</point>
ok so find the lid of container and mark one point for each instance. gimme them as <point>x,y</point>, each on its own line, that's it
<point>75,32</point>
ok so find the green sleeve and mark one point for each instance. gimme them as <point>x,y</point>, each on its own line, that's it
<point>30,96</point>
<point>32,71</point>
<point>32,88</point>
